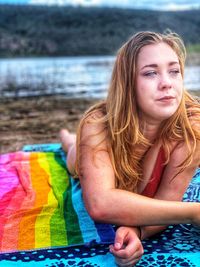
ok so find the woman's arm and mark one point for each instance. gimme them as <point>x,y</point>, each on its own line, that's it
<point>107,204</point>
<point>170,188</point>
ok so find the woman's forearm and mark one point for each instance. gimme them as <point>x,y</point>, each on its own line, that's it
<point>126,208</point>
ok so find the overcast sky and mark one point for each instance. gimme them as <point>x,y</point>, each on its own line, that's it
<point>149,4</point>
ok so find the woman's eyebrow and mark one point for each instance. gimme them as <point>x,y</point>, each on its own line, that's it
<point>150,66</point>
<point>156,65</point>
<point>173,63</point>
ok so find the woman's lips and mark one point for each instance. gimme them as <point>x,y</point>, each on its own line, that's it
<point>166,98</point>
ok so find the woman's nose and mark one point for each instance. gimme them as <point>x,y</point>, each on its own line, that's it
<point>165,82</point>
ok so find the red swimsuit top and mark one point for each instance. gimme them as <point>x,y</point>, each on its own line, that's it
<point>152,186</point>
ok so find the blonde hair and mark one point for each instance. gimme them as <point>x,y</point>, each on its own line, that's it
<point>120,118</point>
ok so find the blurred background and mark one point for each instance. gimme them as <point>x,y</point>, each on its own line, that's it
<point>56,57</point>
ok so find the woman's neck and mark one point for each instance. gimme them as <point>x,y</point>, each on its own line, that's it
<point>150,130</point>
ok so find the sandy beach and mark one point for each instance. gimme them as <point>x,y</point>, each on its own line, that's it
<point>38,120</point>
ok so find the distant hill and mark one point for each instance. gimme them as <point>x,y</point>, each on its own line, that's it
<point>65,31</point>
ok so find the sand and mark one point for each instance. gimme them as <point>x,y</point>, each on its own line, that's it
<point>38,120</point>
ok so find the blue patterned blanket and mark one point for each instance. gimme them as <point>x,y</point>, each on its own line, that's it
<point>177,246</point>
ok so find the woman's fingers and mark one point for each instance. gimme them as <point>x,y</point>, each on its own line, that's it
<point>127,247</point>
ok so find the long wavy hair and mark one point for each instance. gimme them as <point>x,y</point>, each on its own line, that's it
<point>120,114</point>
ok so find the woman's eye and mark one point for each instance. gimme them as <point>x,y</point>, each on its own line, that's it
<point>150,73</point>
<point>174,71</point>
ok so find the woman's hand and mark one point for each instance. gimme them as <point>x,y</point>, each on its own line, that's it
<point>127,247</point>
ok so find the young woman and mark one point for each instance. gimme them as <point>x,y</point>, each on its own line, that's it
<point>137,151</point>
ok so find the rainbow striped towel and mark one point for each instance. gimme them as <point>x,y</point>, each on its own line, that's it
<point>60,212</point>
<point>41,205</point>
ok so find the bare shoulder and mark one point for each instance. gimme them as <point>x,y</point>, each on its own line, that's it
<point>93,130</point>
<point>180,152</point>
<point>174,181</point>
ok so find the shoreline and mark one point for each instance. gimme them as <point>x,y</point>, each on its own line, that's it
<point>38,120</point>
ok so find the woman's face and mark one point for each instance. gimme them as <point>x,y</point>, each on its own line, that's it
<point>159,83</point>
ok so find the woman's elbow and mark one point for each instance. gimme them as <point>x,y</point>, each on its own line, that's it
<point>97,210</point>
<point>97,215</point>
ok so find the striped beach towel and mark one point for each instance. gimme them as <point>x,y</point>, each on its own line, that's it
<point>43,220</point>
<point>41,205</point>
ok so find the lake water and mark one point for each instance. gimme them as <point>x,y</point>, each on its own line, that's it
<point>68,76</point>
